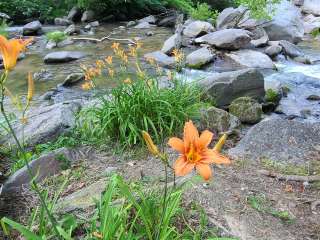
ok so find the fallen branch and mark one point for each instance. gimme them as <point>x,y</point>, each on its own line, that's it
<point>104,39</point>
<point>290,177</point>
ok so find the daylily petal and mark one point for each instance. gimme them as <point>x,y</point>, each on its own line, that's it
<point>204,170</point>
<point>182,167</point>
<point>205,139</point>
<point>191,134</point>
<point>176,144</point>
<point>211,156</point>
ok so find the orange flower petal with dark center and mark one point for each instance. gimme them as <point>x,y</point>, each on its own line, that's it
<point>204,170</point>
<point>176,144</point>
<point>211,156</point>
<point>205,139</point>
<point>182,167</point>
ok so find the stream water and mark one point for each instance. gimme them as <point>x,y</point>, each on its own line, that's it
<point>302,80</point>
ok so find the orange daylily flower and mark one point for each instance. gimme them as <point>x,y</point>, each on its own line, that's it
<point>10,50</point>
<point>115,46</point>
<point>194,152</point>
<point>109,60</point>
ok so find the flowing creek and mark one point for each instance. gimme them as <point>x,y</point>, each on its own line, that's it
<point>302,80</point>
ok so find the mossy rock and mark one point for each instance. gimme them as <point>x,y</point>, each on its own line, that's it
<point>246,109</point>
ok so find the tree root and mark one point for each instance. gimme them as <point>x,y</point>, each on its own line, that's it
<point>97,40</point>
<point>290,177</point>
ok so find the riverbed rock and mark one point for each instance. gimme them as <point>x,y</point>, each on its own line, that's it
<point>298,3</point>
<point>63,57</point>
<point>32,28</point>
<point>169,21</point>
<point>311,6</point>
<point>161,58</point>
<point>311,23</point>
<point>46,165</point>
<point>65,42</point>
<point>225,87</point>
<point>4,16</point>
<point>70,30</point>
<point>51,44</point>
<point>273,51</point>
<point>62,22</point>
<point>228,39</point>
<point>260,37</point>
<point>216,120</point>
<point>251,59</point>
<point>45,124</point>
<point>279,140</point>
<point>286,23</point>
<point>290,49</point>
<point>313,97</point>
<point>200,57</point>
<point>144,25</point>
<point>171,43</point>
<point>74,14</point>
<point>229,17</point>
<point>246,109</point>
<point>88,16</point>
<point>73,79</point>
<point>149,19</point>
<point>197,28</point>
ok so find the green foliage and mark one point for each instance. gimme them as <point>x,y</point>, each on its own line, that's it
<point>3,29</point>
<point>56,36</point>
<point>134,107</point>
<point>203,12</point>
<point>272,96</point>
<point>315,33</point>
<point>259,9</point>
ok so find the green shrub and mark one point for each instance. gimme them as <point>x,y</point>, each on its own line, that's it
<point>56,36</point>
<point>272,96</point>
<point>3,29</point>
<point>259,9</point>
<point>203,12</point>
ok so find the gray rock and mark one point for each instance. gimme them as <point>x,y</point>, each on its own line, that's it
<point>284,141</point>
<point>298,3</point>
<point>62,22</point>
<point>149,33</point>
<point>251,59</point>
<point>32,28</point>
<point>290,49</point>
<point>228,86</point>
<point>229,39</point>
<point>311,23</point>
<point>260,37</point>
<point>150,19</point>
<point>200,57</point>
<point>246,109</point>
<point>70,30</point>
<point>286,23</point>
<point>45,124</point>
<point>162,59</point>
<point>144,25</point>
<point>273,51</point>
<point>63,56</point>
<point>47,165</point>
<point>313,97</point>
<point>303,59</point>
<point>51,44</point>
<point>88,16</point>
<point>131,24</point>
<point>42,76</point>
<point>73,79</point>
<point>4,16</point>
<point>216,120</point>
<point>197,28</point>
<point>65,42</point>
<point>311,6</point>
<point>94,24</point>
<point>169,21</point>
<point>74,14</point>
<point>229,18</point>
<point>171,43</point>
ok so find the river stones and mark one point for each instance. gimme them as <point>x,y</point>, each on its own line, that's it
<point>230,17</point>
<point>228,39</point>
<point>311,6</point>
<point>171,43</point>
<point>63,57</point>
<point>62,22</point>
<point>144,25</point>
<point>197,28</point>
<point>260,37</point>
<point>32,28</point>
<point>246,109</point>
<point>88,16</point>
<point>225,87</point>
<point>73,79</point>
<point>149,19</point>
<point>279,140</point>
<point>251,59</point>
<point>290,49</point>
<point>160,58</point>
<point>200,57</point>
<point>74,14</point>
<point>286,23</point>
<point>273,51</point>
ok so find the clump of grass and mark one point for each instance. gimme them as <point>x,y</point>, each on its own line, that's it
<point>204,12</point>
<point>56,36</point>
<point>272,96</point>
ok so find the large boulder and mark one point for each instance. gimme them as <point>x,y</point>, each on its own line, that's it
<point>197,28</point>
<point>62,22</point>
<point>260,37</point>
<point>228,39</point>
<point>290,49</point>
<point>149,19</point>
<point>273,51</point>
<point>46,165</point>
<point>246,109</point>
<point>171,43</point>
<point>161,59</point>
<point>88,16</point>
<point>230,17</point>
<point>311,6</point>
<point>45,124</point>
<point>286,23</point>
<point>216,120</point>
<point>251,59</point>
<point>281,141</point>
<point>32,28</point>
<point>74,14</point>
<point>144,25</point>
<point>225,87</point>
<point>200,57</point>
<point>63,56</point>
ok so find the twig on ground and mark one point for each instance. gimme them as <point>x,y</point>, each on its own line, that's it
<point>104,39</point>
<point>296,178</point>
